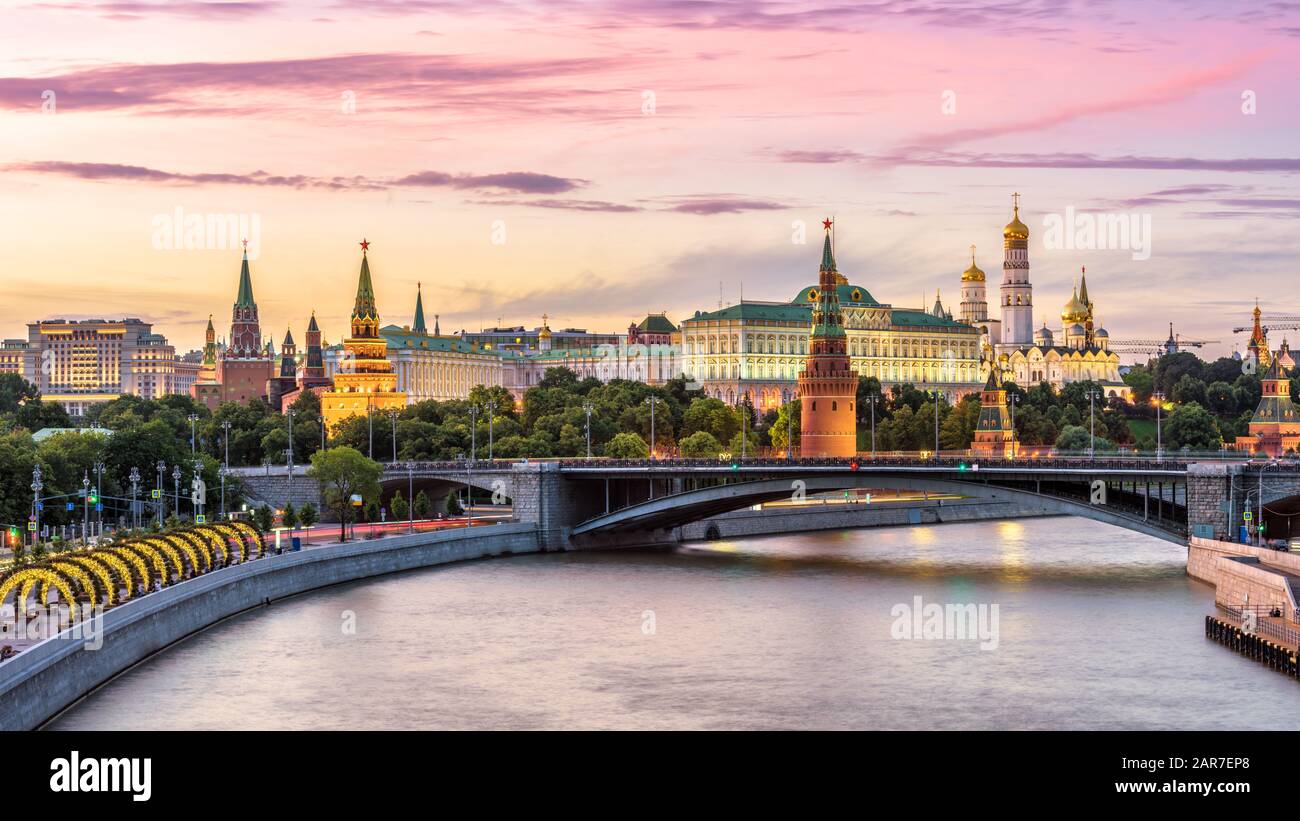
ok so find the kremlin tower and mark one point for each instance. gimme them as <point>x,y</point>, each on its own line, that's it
<point>365,381</point>
<point>244,365</point>
<point>1258,346</point>
<point>206,389</point>
<point>287,381</point>
<point>1274,430</point>
<point>994,435</point>
<point>1016,292</point>
<point>827,383</point>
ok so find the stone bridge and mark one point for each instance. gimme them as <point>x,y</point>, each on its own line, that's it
<point>588,503</point>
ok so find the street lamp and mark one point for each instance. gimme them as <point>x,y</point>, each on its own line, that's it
<point>1158,396</point>
<point>193,417</point>
<point>492,415</point>
<point>176,480</point>
<point>198,500</point>
<point>370,426</point>
<point>162,466</point>
<point>85,507</point>
<point>1014,399</point>
<point>587,408</point>
<point>135,490</point>
<point>789,431</point>
<point>37,485</point>
<point>99,494</point>
<point>222,471</point>
<point>937,396</point>
<point>289,453</point>
<point>1092,423</point>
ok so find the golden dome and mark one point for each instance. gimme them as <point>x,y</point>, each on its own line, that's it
<point>1074,310</point>
<point>545,332</point>
<point>973,273</point>
<point>1015,229</point>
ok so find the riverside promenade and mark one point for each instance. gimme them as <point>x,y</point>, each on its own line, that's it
<point>50,676</point>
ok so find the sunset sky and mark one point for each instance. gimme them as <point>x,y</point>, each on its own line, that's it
<point>535,115</point>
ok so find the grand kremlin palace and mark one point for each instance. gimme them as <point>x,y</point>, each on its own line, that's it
<point>758,348</point>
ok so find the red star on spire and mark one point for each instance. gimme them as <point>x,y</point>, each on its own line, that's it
<point>365,244</point>
<point>827,223</point>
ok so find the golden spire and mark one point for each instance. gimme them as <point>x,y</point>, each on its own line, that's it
<point>1015,230</point>
<point>973,273</point>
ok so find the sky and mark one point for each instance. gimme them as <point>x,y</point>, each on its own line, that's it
<point>597,161</point>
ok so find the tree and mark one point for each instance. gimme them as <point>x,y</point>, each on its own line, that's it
<point>1075,438</point>
<point>787,421</point>
<point>1192,427</point>
<point>308,517</point>
<point>399,506</point>
<point>1189,389</point>
<point>263,517</point>
<point>289,518</point>
<point>342,473</point>
<point>14,391</point>
<point>627,446</point>
<point>700,444</point>
<point>421,505</point>
<point>453,505</point>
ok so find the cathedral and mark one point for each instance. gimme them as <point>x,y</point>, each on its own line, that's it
<point>1079,350</point>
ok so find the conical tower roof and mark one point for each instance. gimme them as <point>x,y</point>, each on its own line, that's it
<point>418,324</point>
<point>245,297</point>
<point>364,307</point>
<point>312,327</point>
<point>828,253</point>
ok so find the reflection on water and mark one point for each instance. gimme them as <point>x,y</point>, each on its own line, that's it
<point>1099,628</point>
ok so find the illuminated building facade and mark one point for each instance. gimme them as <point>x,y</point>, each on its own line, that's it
<point>79,363</point>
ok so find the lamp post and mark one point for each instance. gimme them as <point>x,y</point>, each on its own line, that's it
<point>225,426</point>
<point>176,481</point>
<point>492,415</point>
<point>936,424</point>
<point>1092,424</point>
<point>744,429</point>
<point>198,500</point>
<point>99,494</point>
<point>162,466</point>
<point>1014,400</point>
<point>652,401</point>
<point>135,491</point>
<point>85,506</point>
<point>1158,396</point>
<point>222,473</point>
<point>193,417</point>
<point>587,408</point>
<point>37,485</point>
<point>289,453</point>
<point>370,427</point>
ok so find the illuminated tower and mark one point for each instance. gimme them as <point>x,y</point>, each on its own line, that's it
<point>365,381</point>
<point>994,435</point>
<point>1016,292</point>
<point>287,381</point>
<point>206,389</point>
<point>313,369</point>
<point>244,366</point>
<point>1259,343</point>
<point>827,384</point>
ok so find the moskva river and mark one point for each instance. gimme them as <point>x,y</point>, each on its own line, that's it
<point>1094,628</point>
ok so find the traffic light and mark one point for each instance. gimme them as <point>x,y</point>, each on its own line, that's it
<point>961,466</point>
<point>13,536</point>
<point>854,465</point>
<point>94,498</point>
<point>735,466</point>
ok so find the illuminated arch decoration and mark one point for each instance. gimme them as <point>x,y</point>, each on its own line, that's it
<point>27,578</point>
<point>114,564</point>
<point>133,559</point>
<point>155,559</point>
<point>70,572</point>
<point>170,552</point>
<point>101,574</point>
<point>200,548</point>
<point>187,549</point>
<point>216,544</point>
<point>234,535</point>
<point>252,534</point>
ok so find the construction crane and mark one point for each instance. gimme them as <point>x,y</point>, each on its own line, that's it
<point>1272,323</point>
<point>1158,347</point>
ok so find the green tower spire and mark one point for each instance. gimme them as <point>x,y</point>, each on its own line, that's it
<point>418,325</point>
<point>828,254</point>
<point>364,308</point>
<point>245,298</point>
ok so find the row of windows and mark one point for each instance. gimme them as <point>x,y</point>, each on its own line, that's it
<point>887,345</point>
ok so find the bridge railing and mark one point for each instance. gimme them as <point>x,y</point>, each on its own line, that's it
<point>964,463</point>
<point>1262,611</point>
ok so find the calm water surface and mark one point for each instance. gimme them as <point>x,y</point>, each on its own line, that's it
<point>1099,628</point>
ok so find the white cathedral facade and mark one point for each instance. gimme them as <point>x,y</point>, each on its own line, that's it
<point>1077,351</point>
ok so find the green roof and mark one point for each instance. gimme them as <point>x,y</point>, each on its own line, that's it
<point>245,298</point>
<point>850,295</point>
<point>657,324</point>
<point>780,311</point>
<point>914,319</point>
<point>365,304</point>
<point>399,338</point>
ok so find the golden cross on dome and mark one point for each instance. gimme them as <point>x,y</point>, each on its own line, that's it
<point>1015,199</point>
<point>972,254</point>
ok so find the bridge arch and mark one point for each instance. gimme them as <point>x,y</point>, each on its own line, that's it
<point>666,512</point>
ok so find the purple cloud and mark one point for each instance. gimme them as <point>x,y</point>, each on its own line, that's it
<point>196,9</point>
<point>523,182</point>
<point>567,205</point>
<point>1065,160</point>
<point>721,204</point>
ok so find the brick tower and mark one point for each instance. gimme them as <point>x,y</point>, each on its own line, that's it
<point>827,385</point>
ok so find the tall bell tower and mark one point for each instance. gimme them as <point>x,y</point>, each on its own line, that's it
<point>1016,294</point>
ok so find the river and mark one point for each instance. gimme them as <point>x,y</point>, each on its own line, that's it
<point>1097,628</point>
